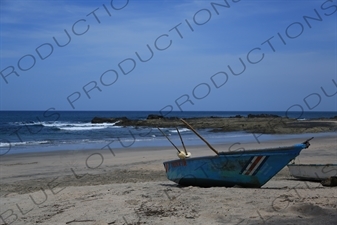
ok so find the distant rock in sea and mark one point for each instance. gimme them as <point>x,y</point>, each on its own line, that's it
<point>108,120</point>
<point>262,115</point>
<point>154,117</point>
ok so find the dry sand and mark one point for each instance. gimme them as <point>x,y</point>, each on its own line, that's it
<point>130,187</point>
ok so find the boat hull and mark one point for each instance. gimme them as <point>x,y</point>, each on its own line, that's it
<point>246,168</point>
<point>313,172</point>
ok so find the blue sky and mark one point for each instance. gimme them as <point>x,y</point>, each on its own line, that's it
<point>283,59</point>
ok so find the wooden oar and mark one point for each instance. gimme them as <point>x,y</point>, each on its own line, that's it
<point>182,142</point>
<point>208,144</point>
<point>168,139</point>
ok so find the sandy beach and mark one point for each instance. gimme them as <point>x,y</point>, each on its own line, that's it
<point>129,186</point>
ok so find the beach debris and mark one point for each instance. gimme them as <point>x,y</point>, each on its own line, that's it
<point>79,221</point>
<point>330,182</point>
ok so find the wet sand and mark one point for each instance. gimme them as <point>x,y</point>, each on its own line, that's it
<point>129,186</point>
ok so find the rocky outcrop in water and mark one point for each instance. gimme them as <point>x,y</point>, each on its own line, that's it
<point>261,123</point>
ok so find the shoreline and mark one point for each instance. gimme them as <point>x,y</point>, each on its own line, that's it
<point>157,144</point>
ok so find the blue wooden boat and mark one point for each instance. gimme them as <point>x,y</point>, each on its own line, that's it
<point>250,168</point>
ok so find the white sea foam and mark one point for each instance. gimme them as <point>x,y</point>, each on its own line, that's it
<point>30,123</point>
<point>82,128</point>
<point>70,126</point>
<point>11,144</point>
<point>181,130</point>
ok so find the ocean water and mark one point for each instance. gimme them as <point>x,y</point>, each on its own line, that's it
<point>42,131</point>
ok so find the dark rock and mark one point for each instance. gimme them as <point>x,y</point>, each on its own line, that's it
<point>262,116</point>
<point>173,118</point>
<point>154,117</point>
<point>102,120</point>
<point>237,116</point>
<point>263,123</point>
<point>330,182</point>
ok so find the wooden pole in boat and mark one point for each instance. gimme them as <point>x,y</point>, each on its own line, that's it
<point>168,139</point>
<point>182,142</point>
<point>208,144</point>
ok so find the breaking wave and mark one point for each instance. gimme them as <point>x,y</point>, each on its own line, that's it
<point>70,126</point>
